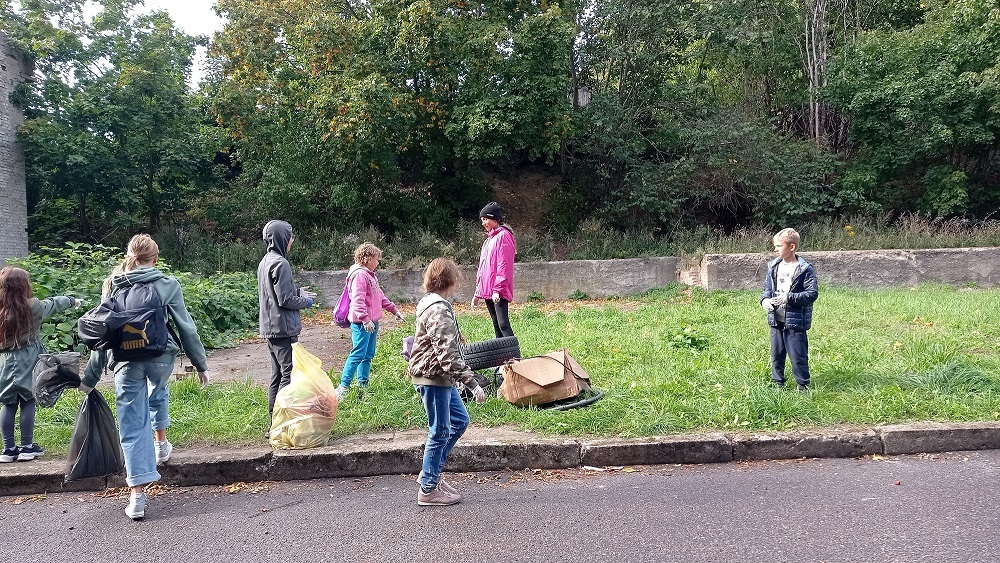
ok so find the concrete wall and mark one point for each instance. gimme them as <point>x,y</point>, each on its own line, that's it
<point>864,268</point>
<point>554,280</point>
<point>14,68</point>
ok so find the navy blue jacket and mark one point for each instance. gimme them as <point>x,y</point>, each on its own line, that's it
<point>801,295</point>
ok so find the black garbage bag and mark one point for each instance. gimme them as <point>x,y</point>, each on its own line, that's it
<point>53,374</point>
<point>94,449</point>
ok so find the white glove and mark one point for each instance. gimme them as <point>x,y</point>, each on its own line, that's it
<point>368,326</point>
<point>400,316</point>
<point>767,304</point>
<point>476,301</point>
<point>479,395</point>
<point>203,379</point>
<point>85,389</point>
<point>77,303</point>
<point>496,297</point>
<point>306,293</point>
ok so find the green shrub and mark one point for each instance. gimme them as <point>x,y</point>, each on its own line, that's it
<point>223,306</point>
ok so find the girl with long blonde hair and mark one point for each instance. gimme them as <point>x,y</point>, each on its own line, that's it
<point>141,392</point>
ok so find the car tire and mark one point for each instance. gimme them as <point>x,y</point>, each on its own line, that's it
<point>490,353</point>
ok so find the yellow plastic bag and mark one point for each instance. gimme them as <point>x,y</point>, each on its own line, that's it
<point>305,409</point>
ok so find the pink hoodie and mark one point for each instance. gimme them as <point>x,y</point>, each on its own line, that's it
<point>367,299</point>
<point>496,265</point>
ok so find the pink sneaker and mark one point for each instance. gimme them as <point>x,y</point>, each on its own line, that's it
<point>437,497</point>
<point>442,484</point>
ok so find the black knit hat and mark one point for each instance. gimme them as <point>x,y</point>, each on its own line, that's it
<point>492,211</point>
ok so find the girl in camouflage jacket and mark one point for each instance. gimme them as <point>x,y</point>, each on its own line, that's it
<point>436,364</point>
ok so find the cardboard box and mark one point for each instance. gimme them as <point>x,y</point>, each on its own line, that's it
<point>543,379</point>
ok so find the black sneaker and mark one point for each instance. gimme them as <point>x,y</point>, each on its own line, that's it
<point>9,454</point>
<point>30,452</point>
<point>803,389</point>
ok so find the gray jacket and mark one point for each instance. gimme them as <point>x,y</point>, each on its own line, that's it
<point>280,300</point>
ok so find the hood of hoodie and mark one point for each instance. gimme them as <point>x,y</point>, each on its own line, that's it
<point>428,300</point>
<point>276,236</point>
<point>142,274</point>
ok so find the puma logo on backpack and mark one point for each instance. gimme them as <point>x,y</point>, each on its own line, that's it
<point>134,343</point>
<point>132,324</point>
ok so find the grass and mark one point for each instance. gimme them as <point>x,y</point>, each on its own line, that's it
<point>877,357</point>
<point>193,249</point>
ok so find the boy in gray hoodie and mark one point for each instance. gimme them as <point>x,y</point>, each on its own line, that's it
<point>280,301</point>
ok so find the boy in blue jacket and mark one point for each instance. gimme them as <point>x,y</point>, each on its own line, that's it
<point>790,289</point>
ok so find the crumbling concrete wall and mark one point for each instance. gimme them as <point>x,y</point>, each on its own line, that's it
<point>14,69</point>
<point>864,268</point>
<point>552,280</point>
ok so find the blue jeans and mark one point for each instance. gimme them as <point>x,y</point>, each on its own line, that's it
<point>447,420</point>
<point>139,388</point>
<point>794,344</point>
<point>360,358</point>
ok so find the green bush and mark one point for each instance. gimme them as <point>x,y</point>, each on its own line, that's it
<point>223,306</point>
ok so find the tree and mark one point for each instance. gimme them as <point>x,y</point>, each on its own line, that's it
<point>387,111</point>
<point>110,123</point>
<point>924,104</point>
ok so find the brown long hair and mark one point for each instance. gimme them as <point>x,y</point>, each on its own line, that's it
<point>16,323</point>
<point>142,251</point>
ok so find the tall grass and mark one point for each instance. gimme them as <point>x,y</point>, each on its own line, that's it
<point>876,357</point>
<point>191,248</point>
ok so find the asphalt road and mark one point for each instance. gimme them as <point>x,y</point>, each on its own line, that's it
<point>940,507</point>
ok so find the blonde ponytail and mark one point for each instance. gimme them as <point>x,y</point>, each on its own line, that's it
<point>142,251</point>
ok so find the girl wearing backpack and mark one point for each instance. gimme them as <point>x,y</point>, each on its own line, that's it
<point>367,302</point>
<point>141,394</point>
<point>21,318</point>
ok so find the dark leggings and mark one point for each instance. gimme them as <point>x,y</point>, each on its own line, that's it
<point>7,414</point>
<point>501,320</point>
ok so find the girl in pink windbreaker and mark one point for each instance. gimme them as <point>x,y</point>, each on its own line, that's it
<point>367,302</point>
<point>495,277</point>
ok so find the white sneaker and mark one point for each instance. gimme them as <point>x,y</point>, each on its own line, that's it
<point>341,393</point>
<point>136,508</point>
<point>163,450</point>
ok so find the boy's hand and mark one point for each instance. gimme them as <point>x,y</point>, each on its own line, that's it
<point>77,303</point>
<point>767,304</point>
<point>203,379</point>
<point>309,294</point>
<point>781,300</point>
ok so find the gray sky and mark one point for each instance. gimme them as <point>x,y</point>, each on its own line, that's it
<point>194,17</point>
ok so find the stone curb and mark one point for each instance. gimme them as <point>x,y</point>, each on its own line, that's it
<point>492,449</point>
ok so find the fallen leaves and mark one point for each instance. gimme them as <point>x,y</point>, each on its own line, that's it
<point>33,498</point>
<point>252,488</point>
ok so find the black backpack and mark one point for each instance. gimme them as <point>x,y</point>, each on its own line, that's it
<point>132,324</point>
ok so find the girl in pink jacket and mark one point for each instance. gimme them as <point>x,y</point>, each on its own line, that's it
<point>495,277</point>
<point>367,302</point>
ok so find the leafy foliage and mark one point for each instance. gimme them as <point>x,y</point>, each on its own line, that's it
<point>924,105</point>
<point>223,306</point>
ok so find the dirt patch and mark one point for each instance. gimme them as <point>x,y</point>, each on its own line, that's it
<point>524,194</point>
<point>329,343</point>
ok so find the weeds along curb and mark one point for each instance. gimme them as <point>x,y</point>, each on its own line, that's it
<point>402,455</point>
